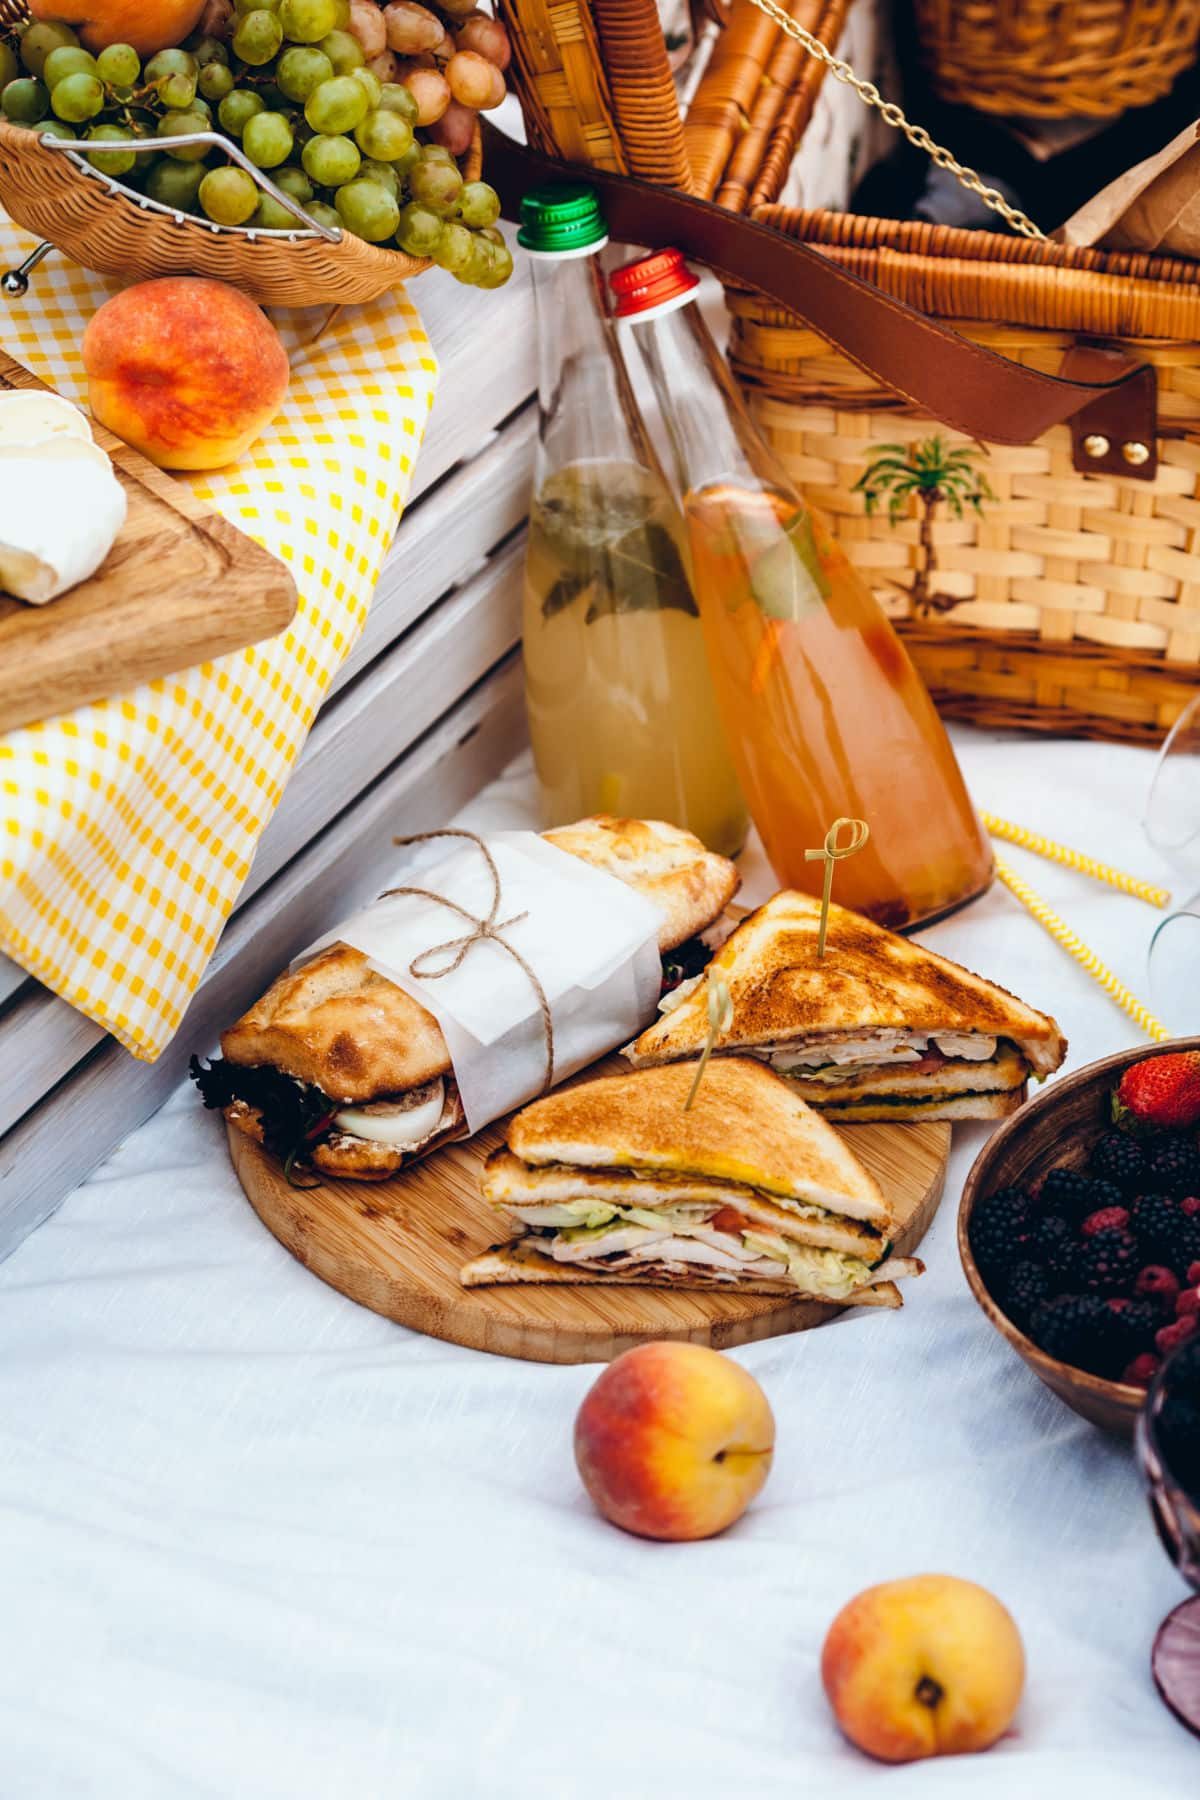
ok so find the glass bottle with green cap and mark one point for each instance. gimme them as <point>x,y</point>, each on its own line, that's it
<point>617,689</point>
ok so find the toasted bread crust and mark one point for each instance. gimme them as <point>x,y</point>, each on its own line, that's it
<point>692,885</point>
<point>746,1126</point>
<point>505,1265</point>
<point>868,980</point>
<point>950,1107</point>
<point>339,1026</point>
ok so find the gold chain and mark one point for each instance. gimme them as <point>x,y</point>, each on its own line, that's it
<point>892,115</point>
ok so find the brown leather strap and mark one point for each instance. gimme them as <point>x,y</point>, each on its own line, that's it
<point>956,381</point>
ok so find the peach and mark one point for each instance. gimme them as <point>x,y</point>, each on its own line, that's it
<point>186,370</point>
<point>149,25</point>
<point>929,1666</point>
<point>674,1441</point>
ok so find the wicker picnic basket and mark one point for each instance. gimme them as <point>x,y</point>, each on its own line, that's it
<point>1056,59</point>
<point>596,87</point>
<point>1071,602</point>
<point>101,224</point>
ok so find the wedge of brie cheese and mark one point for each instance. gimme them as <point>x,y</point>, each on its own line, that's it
<point>30,416</point>
<point>61,508</point>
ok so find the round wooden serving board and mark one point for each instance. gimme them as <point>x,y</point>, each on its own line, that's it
<point>397,1246</point>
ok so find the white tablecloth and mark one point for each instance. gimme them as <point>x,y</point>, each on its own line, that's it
<point>257,1542</point>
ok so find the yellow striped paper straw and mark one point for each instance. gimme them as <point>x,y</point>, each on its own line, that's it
<point>1062,934</point>
<point>1075,859</point>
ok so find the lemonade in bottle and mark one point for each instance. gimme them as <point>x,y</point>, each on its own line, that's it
<point>824,712</point>
<point>618,693</point>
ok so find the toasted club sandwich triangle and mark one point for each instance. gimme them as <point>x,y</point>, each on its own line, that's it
<point>748,1190</point>
<point>880,1028</point>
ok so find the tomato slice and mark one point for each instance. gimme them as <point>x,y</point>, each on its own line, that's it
<point>730,1220</point>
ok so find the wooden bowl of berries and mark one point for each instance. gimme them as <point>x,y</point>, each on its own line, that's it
<point>1079,1228</point>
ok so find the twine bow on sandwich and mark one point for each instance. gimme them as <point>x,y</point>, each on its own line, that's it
<point>455,950</point>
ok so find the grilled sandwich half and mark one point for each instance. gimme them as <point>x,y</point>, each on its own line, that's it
<point>749,1191</point>
<point>880,1028</point>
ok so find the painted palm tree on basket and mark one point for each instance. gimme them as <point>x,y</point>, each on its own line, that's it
<point>936,475</point>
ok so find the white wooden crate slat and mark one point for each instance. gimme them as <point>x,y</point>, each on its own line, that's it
<point>62,1140</point>
<point>360,734</point>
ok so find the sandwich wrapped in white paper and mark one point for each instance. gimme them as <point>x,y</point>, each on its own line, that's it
<point>409,1026</point>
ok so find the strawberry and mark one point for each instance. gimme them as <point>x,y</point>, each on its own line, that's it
<point>1160,1093</point>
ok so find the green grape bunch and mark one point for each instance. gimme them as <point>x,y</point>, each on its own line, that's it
<point>360,113</point>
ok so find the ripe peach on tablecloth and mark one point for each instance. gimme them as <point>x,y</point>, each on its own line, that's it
<point>928,1666</point>
<point>674,1441</point>
<point>187,370</point>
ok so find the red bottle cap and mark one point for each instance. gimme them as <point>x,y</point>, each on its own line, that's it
<point>652,283</point>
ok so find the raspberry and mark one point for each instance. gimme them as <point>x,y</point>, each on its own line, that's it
<point>1052,1244</point>
<point>1188,1303</point>
<point>1078,1329</point>
<point>1189,1206</point>
<point>1108,1261</point>
<point>1173,1167</point>
<point>1109,1218</point>
<point>1118,1158</point>
<point>999,1231</point>
<point>1143,1369</point>
<point>1193,1275</point>
<point>1156,1283</point>
<point>1025,1287</point>
<point>1171,1336</point>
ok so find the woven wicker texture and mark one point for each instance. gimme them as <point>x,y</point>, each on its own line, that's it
<point>1072,604</point>
<point>1057,58</point>
<point>753,102</point>
<point>595,85</point>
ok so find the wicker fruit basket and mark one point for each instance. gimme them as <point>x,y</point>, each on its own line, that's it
<point>102,225</point>
<point>1070,603</point>
<point>1055,59</point>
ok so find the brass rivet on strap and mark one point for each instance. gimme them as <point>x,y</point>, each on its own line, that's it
<point>1136,454</point>
<point>1097,445</point>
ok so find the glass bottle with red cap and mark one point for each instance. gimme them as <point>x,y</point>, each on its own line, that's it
<point>617,686</point>
<point>824,712</point>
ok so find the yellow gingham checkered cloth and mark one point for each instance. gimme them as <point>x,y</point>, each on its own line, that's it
<point>128,827</point>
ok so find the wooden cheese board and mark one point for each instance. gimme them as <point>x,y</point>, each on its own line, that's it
<point>397,1247</point>
<point>180,585</point>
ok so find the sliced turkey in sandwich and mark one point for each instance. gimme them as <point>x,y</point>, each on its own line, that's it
<point>339,1070</point>
<point>749,1190</point>
<point>879,1028</point>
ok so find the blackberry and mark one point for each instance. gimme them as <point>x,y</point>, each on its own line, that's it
<point>1135,1323</point>
<point>1157,1224</point>
<point>1023,1290</point>
<point>1078,1329</point>
<point>1053,1245</point>
<point>1070,1194</point>
<point>1173,1167</point>
<point>999,1230</point>
<point>1118,1158</point>
<point>1108,1262</point>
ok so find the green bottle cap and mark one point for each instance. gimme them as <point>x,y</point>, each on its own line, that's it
<point>562,219</point>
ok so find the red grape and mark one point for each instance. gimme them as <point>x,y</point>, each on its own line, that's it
<point>486,36</point>
<point>474,80</point>
<point>431,92</point>
<point>368,25</point>
<point>411,28</point>
<point>455,129</point>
